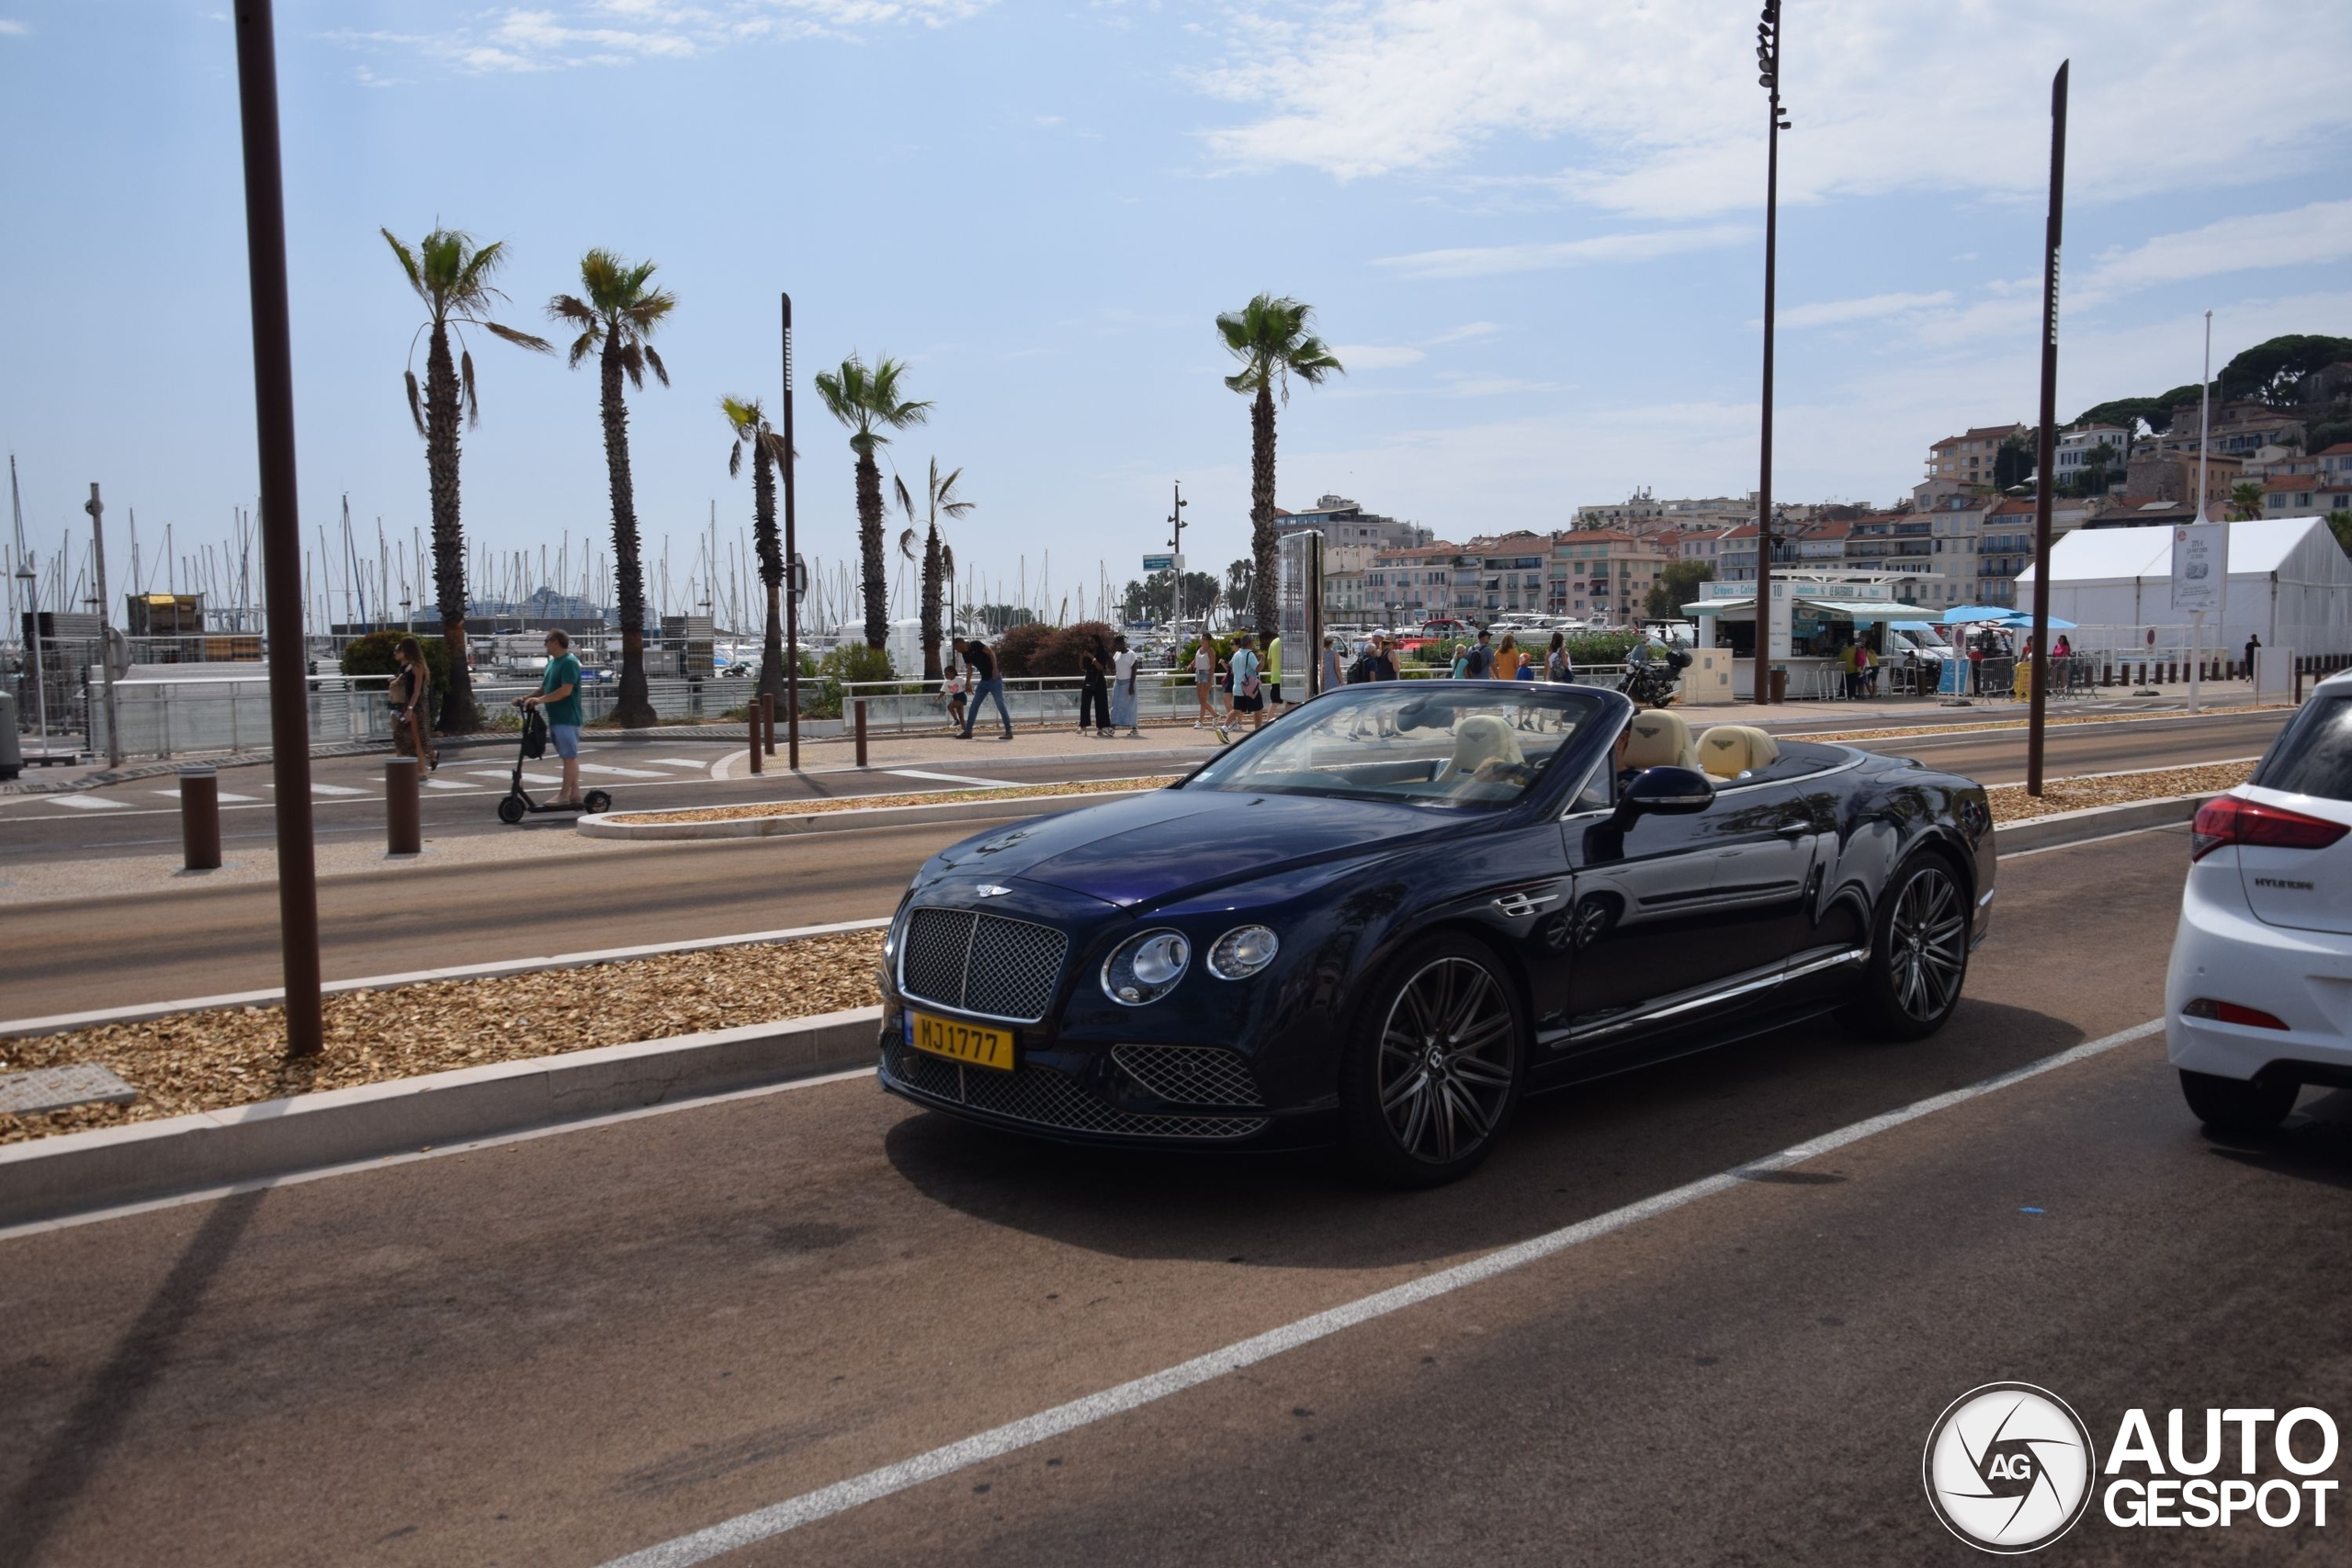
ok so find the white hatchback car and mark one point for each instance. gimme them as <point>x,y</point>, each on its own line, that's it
<point>2258,1000</point>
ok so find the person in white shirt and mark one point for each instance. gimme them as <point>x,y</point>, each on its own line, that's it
<point>1123,687</point>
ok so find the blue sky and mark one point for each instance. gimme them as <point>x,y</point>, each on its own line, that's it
<point>1532,230</point>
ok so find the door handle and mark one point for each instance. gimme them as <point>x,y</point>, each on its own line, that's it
<point>1792,830</point>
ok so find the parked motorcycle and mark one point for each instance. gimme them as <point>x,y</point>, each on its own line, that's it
<point>1652,685</point>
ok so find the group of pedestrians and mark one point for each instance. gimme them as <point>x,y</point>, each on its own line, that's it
<point>1246,681</point>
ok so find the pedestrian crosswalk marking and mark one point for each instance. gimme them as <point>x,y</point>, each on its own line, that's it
<point>89,803</point>
<point>677,761</point>
<point>335,789</point>
<point>224,796</point>
<point>624,773</point>
<point>447,783</point>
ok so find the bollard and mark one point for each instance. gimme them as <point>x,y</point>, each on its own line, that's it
<point>767,722</point>
<point>753,715</point>
<point>200,819</point>
<point>403,827</point>
<point>861,732</point>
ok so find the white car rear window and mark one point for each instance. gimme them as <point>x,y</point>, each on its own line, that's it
<point>2315,755</point>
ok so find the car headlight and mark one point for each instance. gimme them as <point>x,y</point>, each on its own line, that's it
<point>1145,968</point>
<point>1242,951</point>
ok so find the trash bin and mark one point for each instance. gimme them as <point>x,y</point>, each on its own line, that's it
<point>1780,684</point>
<point>12,751</point>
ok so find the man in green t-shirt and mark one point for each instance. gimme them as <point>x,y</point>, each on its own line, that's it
<point>558,695</point>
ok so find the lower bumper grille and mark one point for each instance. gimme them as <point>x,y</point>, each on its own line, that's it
<point>1047,1098</point>
<point>1191,1075</point>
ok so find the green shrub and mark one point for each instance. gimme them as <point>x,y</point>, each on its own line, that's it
<point>1601,647</point>
<point>847,662</point>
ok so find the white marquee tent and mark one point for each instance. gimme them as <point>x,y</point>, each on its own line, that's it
<point>2289,583</point>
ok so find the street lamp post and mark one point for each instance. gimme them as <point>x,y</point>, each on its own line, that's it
<point>1176,545</point>
<point>26,575</point>
<point>1768,66</point>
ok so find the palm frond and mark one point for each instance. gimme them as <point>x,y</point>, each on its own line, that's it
<point>907,539</point>
<point>947,560</point>
<point>632,357</point>
<point>415,401</point>
<point>655,360</point>
<point>582,347</point>
<point>465,386</point>
<point>571,307</point>
<point>408,263</point>
<point>520,340</point>
<point>906,502</point>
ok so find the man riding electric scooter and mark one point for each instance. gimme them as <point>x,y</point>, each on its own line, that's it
<point>559,696</point>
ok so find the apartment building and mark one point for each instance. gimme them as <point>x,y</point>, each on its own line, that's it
<point>1642,512</point>
<point>2088,448</point>
<point>1407,584</point>
<point>1602,574</point>
<point>1344,522</point>
<point>1967,458</point>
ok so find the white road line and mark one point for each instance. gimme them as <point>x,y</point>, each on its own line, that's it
<point>699,765</point>
<point>87,803</point>
<point>490,772</point>
<point>623,772</point>
<point>762,1524</point>
<point>950,778</point>
<point>448,784</point>
<point>335,789</point>
<point>224,795</point>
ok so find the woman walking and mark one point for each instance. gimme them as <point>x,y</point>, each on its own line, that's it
<point>1204,681</point>
<point>411,695</point>
<point>1556,663</point>
<point>1507,658</point>
<point>1249,684</point>
<point>1123,688</point>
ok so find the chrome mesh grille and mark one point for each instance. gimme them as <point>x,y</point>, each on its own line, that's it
<point>981,963</point>
<point>1047,1098</point>
<point>1191,1075</point>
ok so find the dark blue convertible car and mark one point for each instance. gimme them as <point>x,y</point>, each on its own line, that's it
<point>1387,916</point>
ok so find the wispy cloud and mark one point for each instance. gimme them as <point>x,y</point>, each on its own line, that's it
<point>620,32</point>
<point>2307,236</point>
<point>12,28</point>
<point>1655,108</point>
<point>1489,260</point>
<point>1378,356</point>
<point>1463,333</point>
<point>1838,313</point>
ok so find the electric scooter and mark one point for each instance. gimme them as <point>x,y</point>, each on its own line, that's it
<point>517,803</point>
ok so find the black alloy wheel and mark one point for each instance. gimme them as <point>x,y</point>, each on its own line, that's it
<point>1918,953</point>
<point>1436,1068</point>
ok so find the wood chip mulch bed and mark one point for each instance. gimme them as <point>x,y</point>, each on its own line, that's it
<point>874,802</point>
<point>2011,803</point>
<point>207,1061</point>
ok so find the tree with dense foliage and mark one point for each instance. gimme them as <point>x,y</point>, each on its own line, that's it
<point>452,276</point>
<point>1240,583</point>
<point>749,425</point>
<point>1273,340</point>
<point>940,499</point>
<point>2339,522</point>
<point>1019,646</point>
<point>616,310</point>
<point>1677,585</point>
<point>2013,461</point>
<point>2245,501</point>
<point>868,403</point>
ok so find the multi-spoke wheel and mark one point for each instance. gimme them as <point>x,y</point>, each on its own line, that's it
<point>1918,953</point>
<point>1436,1069</point>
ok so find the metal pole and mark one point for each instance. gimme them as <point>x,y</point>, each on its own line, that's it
<point>2044,461</point>
<point>791,569</point>
<point>768,723</point>
<point>861,732</point>
<point>1771,63</point>
<point>97,509</point>
<point>281,523</point>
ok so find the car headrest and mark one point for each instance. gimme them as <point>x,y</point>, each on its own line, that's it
<point>1727,751</point>
<point>1658,739</point>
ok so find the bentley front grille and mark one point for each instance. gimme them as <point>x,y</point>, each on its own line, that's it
<point>980,963</point>
<point>1191,1075</point>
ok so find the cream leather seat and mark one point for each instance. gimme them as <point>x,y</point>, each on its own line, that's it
<point>1480,738</point>
<point>1727,751</point>
<point>1658,739</point>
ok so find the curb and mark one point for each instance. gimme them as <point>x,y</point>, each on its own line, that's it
<point>2097,822</point>
<point>616,824</point>
<point>50,1178</point>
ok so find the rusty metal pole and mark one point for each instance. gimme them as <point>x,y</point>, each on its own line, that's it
<point>861,732</point>
<point>753,727</point>
<point>404,823</point>
<point>767,722</point>
<point>791,569</point>
<point>200,817</point>
<point>281,523</point>
<point>2044,478</point>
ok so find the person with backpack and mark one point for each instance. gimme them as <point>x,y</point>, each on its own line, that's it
<point>1556,663</point>
<point>1249,684</point>
<point>558,700</point>
<point>1478,663</point>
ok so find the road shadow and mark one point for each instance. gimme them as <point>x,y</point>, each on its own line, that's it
<point>2316,1145</point>
<point>76,1451</point>
<point>1570,1154</point>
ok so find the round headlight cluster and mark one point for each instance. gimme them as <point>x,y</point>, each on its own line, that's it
<point>1145,968</point>
<point>1242,951</point>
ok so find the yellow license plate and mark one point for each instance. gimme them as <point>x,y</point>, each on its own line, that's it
<point>970,1042</point>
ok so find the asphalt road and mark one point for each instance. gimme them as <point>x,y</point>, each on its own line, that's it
<point>55,957</point>
<point>141,817</point>
<point>562,1349</point>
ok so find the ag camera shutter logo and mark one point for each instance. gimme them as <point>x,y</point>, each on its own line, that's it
<point>2008,1468</point>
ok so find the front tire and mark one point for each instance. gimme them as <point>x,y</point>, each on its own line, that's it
<point>1435,1067</point>
<point>510,809</point>
<point>1918,953</point>
<point>2237,1107</point>
<point>597,801</point>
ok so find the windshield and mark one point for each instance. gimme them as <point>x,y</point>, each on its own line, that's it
<point>1468,744</point>
<point>1922,634</point>
<point>2315,755</point>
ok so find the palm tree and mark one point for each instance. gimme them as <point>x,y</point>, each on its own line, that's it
<point>750,425</point>
<point>867,401</point>
<point>1272,339</point>
<point>452,276</point>
<point>615,317</point>
<point>938,561</point>
<point>2245,501</point>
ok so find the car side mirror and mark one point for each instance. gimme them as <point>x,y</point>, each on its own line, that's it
<point>1663,792</point>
